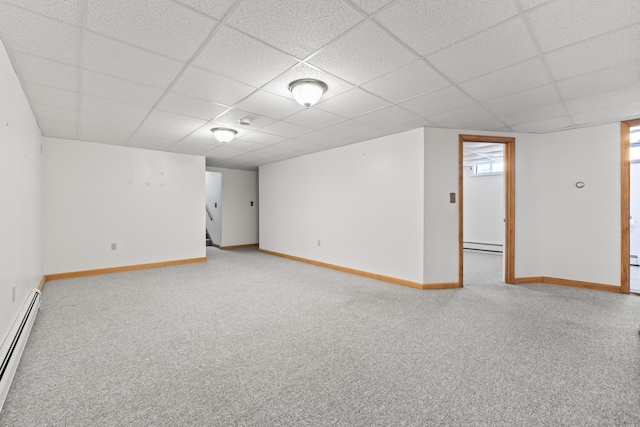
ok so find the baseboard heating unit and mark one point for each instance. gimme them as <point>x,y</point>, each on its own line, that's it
<point>14,343</point>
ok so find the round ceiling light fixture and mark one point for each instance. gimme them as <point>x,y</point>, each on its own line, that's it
<point>224,135</point>
<point>307,91</point>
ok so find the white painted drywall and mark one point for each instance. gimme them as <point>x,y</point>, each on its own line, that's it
<point>363,202</point>
<point>150,203</point>
<point>21,264</point>
<point>238,218</point>
<point>214,206</point>
<point>635,209</point>
<point>483,208</point>
<point>580,233</point>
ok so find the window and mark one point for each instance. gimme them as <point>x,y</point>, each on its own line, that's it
<point>488,168</point>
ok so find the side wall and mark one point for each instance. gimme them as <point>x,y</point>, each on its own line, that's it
<point>214,206</point>
<point>358,206</point>
<point>21,264</point>
<point>238,218</point>
<point>149,203</point>
<point>635,209</point>
<point>483,208</point>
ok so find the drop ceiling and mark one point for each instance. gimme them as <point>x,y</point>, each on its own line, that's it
<point>159,74</point>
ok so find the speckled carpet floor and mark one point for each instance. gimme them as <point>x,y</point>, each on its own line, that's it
<point>249,339</point>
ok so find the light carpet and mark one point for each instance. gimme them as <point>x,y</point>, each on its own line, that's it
<point>249,339</point>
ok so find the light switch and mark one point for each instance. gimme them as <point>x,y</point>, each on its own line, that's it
<point>452,197</point>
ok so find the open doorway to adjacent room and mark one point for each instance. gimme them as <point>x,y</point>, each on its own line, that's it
<point>213,207</point>
<point>486,215</point>
<point>634,209</point>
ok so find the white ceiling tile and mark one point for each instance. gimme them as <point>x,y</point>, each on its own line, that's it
<point>525,100</point>
<point>298,27</point>
<point>544,125</point>
<point>180,104</point>
<point>612,78</point>
<point>211,87</point>
<point>294,144</point>
<point>269,105</point>
<point>216,9</point>
<point>499,47</point>
<point>443,100</point>
<point>232,119</point>
<point>352,103</point>
<point>407,82</point>
<point>272,150</point>
<point>378,133</point>
<point>414,124</point>
<point>628,95</point>
<point>194,148</point>
<point>595,54</point>
<point>263,138</point>
<point>151,25</point>
<point>151,142</point>
<point>516,78</point>
<point>52,96</point>
<point>371,6</point>
<point>280,85</point>
<point>45,72</point>
<point>126,112</point>
<point>285,129</point>
<point>103,134</point>
<point>39,36</point>
<point>50,127</point>
<point>178,121</point>
<point>50,112</point>
<point>69,11</point>
<point>96,120</point>
<point>530,4</point>
<point>459,116</point>
<point>433,25</point>
<point>561,23</point>
<point>547,112</point>
<point>349,128</point>
<point>362,54</point>
<point>608,115</point>
<point>245,59</point>
<point>318,137</point>
<point>243,144</point>
<point>223,152</point>
<point>119,89</point>
<point>117,59</point>
<point>489,123</point>
<point>313,118</point>
<point>163,131</point>
<point>387,116</point>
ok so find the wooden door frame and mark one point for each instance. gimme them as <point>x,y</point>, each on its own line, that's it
<point>510,203</point>
<point>625,196</point>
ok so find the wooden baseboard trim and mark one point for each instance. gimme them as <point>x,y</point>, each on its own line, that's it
<point>83,273</point>
<point>434,286</point>
<point>570,283</point>
<point>42,282</point>
<point>227,248</point>
<point>388,279</point>
<point>528,280</point>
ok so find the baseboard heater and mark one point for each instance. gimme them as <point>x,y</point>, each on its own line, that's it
<point>483,247</point>
<point>634,260</point>
<point>14,343</point>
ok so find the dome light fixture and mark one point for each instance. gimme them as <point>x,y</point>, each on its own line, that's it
<point>224,135</point>
<point>307,91</point>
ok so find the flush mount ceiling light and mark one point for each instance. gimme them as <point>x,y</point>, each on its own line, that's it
<point>307,91</point>
<point>223,135</point>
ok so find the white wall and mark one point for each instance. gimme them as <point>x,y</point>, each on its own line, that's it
<point>364,202</point>
<point>214,206</point>
<point>483,208</point>
<point>238,218</point>
<point>149,203</point>
<point>581,227</point>
<point>635,209</point>
<point>21,263</point>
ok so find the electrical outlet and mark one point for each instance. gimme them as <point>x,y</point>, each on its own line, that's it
<point>13,293</point>
<point>318,242</point>
<point>114,246</point>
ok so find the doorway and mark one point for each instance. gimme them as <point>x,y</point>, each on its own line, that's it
<point>508,151</point>
<point>625,202</point>
<point>634,209</point>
